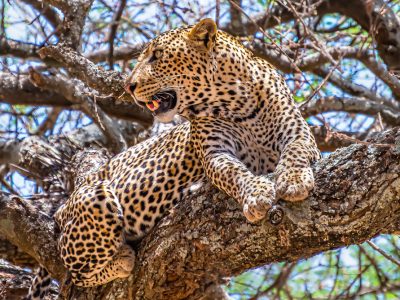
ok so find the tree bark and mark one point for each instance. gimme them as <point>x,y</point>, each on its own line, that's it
<point>15,283</point>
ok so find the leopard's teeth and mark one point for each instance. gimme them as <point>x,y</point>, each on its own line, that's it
<point>150,106</point>
<point>156,104</point>
<point>153,105</point>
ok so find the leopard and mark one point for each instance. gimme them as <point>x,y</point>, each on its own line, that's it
<point>242,124</point>
<point>243,118</point>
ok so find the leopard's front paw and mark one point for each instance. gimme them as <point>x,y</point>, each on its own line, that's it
<point>294,184</point>
<point>259,201</point>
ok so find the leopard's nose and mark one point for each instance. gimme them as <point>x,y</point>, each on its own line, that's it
<point>130,87</point>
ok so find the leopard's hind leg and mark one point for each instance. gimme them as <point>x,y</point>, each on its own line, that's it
<point>92,243</point>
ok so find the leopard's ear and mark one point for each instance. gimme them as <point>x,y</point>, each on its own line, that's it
<point>203,34</point>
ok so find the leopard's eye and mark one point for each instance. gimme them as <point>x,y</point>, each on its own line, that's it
<point>156,55</point>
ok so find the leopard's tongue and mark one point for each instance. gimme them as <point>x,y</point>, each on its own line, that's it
<point>153,105</point>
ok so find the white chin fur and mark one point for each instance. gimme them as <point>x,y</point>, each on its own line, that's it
<point>167,116</point>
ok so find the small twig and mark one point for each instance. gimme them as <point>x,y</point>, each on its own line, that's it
<point>50,121</point>
<point>217,11</point>
<point>113,31</point>
<point>342,136</point>
<point>380,123</point>
<point>97,113</point>
<point>321,84</point>
<point>386,255</point>
<point>266,35</point>
<point>2,16</point>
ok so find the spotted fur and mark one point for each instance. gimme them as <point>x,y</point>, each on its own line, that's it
<point>39,286</point>
<point>242,124</point>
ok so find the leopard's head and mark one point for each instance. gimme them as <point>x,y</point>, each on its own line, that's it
<point>183,69</point>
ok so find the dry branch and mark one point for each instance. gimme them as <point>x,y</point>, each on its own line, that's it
<point>351,105</point>
<point>14,255</point>
<point>71,28</point>
<point>18,49</point>
<point>120,53</point>
<point>103,81</point>
<point>16,89</point>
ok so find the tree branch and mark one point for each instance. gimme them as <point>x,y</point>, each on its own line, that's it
<point>378,69</point>
<point>14,255</point>
<point>355,89</point>
<point>113,31</point>
<point>77,93</point>
<point>49,13</point>
<point>18,49</point>
<point>236,22</point>
<point>314,63</point>
<point>351,105</point>
<point>32,231</point>
<point>357,195</point>
<point>120,53</point>
<point>329,141</point>
<point>70,30</point>
<point>105,82</point>
<point>18,89</point>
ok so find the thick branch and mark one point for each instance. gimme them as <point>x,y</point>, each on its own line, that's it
<point>351,105</point>
<point>329,141</point>
<point>20,90</point>
<point>41,157</point>
<point>14,255</point>
<point>106,82</point>
<point>32,231</point>
<point>74,19</point>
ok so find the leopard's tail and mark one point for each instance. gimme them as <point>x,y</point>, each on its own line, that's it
<point>40,285</point>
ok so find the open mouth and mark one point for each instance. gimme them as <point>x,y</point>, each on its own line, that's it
<point>162,102</point>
